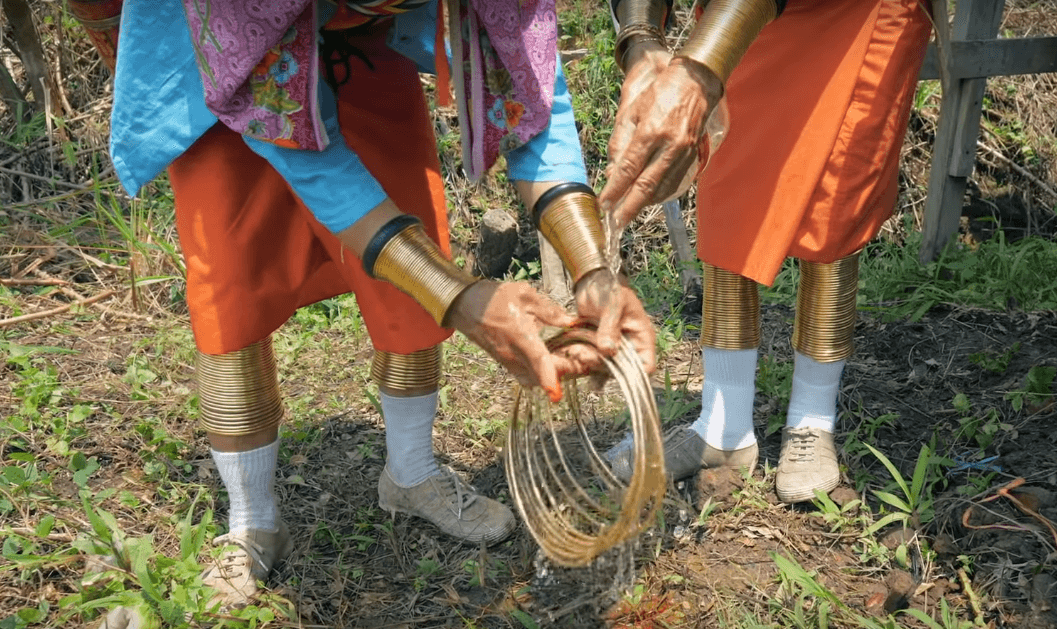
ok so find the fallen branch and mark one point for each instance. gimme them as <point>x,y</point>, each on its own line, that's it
<point>54,311</point>
<point>37,282</point>
<point>1020,169</point>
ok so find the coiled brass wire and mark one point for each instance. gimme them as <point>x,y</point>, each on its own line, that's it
<point>573,225</point>
<point>238,392</point>
<point>724,32</point>
<point>407,375</point>
<point>824,327</point>
<point>572,504</point>
<point>730,312</point>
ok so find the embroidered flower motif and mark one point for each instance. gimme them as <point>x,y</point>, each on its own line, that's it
<point>286,143</point>
<point>499,81</point>
<point>513,110</point>
<point>284,68</point>
<point>256,128</point>
<point>496,114</point>
<point>270,97</point>
<point>509,142</point>
<point>262,68</point>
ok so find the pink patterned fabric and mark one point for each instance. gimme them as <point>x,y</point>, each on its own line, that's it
<point>258,60</point>
<point>506,79</point>
<point>259,63</point>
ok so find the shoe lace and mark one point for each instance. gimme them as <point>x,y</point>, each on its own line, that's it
<point>458,492</point>
<point>233,559</point>
<point>801,445</point>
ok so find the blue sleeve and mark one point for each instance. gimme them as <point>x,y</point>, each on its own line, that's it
<point>333,183</point>
<point>555,154</point>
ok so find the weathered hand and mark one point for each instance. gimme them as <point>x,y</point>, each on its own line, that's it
<point>659,136</point>
<point>505,319</point>
<point>610,304</point>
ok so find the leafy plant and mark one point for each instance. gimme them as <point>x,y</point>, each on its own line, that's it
<point>1037,390</point>
<point>915,507</point>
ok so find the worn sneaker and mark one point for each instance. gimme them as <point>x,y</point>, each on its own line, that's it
<point>452,505</point>
<point>808,462</point>
<point>685,452</point>
<point>249,555</point>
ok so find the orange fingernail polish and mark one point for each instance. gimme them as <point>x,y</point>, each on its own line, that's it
<point>554,393</point>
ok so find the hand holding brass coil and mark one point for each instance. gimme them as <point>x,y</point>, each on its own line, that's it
<point>573,505</point>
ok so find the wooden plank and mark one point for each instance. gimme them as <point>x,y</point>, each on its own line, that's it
<point>684,251</point>
<point>555,280</point>
<point>954,151</point>
<point>994,57</point>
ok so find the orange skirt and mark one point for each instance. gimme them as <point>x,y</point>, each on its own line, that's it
<point>255,254</point>
<point>819,107</point>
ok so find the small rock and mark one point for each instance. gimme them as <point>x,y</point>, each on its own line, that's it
<point>843,496</point>
<point>894,538</point>
<point>900,587</point>
<point>1043,592</point>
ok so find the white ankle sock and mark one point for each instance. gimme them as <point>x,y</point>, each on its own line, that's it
<point>813,402</point>
<point>409,437</point>
<point>726,398</point>
<point>249,478</point>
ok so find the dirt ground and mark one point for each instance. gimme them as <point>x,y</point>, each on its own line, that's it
<point>911,369</point>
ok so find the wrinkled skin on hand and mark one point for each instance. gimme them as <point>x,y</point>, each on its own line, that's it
<point>505,319</point>
<point>605,300</point>
<point>658,133</point>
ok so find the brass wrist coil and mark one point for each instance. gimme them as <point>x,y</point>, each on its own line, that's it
<point>639,21</point>
<point>572,504</point>
<point>725,31</point>
<point>824,327</point>
<point>572,223</point>
<point>730,312</point>
<point>413,263</point>
<point>238,392</point>
<point>407,375</point>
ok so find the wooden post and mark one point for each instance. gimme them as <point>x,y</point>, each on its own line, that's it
<point>555,280</point>
<point>954,152</point>
<point>684,251</point>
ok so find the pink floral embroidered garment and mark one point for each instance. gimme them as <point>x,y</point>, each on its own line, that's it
<point>259,64</point>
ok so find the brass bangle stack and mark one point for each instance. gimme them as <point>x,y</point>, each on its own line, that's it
<point>567,215</point>
<point>730,314</point>
<point>824,327</point>
<point>238,392</point>
<point>407,375</point>
<point>724,32</point>
<point>640,21</point>
<point>402,254</point>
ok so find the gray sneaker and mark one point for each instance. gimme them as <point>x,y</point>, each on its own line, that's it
<point>808,462</point>
<point>247,558</point>
<point>452,505</point>
<point>685,452</point>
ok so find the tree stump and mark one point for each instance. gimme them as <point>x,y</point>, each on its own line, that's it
<point>498,238</point>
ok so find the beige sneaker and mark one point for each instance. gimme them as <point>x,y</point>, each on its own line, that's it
<point>685,452</point>
<point>453,506</point>
<point>808,462</point>
<point>248,557</point>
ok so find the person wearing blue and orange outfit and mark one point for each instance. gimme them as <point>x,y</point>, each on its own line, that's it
<point>304,165</point>
<point>819,96</point>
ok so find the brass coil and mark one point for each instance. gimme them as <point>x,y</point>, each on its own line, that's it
<point>414,264</point>
<point>407,375</point>
<point>238,392</point>
<point>572,504</point>
<point>573,224</point>
<point>724,32</point>
<point>652,12</point>
<point>730,313</point>
<point>824,327</point>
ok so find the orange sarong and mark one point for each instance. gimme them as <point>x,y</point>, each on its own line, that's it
<point>819,107</point>
<point>254,252</point>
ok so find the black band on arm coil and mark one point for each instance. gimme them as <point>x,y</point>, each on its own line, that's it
<point>382,237</point>
<point>557,191</point>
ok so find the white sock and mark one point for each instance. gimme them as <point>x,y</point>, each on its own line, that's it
<point>726,398</point>
<point>250,480</point>
<point>813,402</point>
<point>409,437</point>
